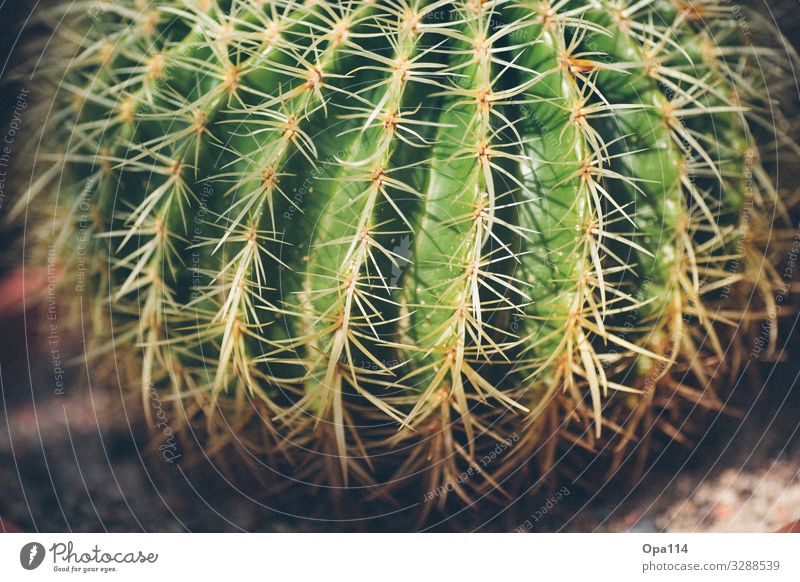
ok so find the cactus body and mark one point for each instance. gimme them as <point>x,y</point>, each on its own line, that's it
<point>379,237</point>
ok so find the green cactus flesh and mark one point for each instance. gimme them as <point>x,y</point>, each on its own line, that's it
<point>382,235</point>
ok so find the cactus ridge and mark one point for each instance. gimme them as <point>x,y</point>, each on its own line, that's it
<point>374,238</point>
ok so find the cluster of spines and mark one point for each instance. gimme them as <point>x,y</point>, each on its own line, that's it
<point>551,163</point>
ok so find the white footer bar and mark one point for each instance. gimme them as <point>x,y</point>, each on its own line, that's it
<point>400,557</point>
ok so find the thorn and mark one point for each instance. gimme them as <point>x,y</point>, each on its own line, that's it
<point>272,33</point>
<point>156,67</point>
<point>484,99</point>
<point>232,79</point>
<point>401,69</point>
<point>314,80</point>
<point>411,21</point>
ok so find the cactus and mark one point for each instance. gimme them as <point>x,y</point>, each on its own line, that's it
<point>374,239</point>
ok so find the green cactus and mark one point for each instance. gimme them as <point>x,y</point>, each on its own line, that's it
<point>375,238</point>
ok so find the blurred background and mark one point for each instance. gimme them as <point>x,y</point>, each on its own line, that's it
<point>76,458</point>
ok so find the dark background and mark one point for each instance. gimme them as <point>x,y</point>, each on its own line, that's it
<point>13,16</point>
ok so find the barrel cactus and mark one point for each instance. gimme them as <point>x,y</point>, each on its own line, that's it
<point>372,242</point>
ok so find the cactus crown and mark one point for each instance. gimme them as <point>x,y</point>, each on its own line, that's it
<point>391,233</point>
